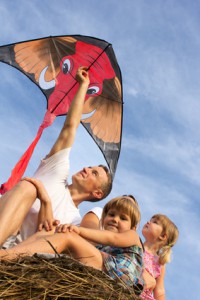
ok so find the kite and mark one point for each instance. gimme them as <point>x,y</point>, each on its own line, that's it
<point>51,63</point>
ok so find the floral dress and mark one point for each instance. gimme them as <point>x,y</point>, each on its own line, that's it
<point>151,264</point>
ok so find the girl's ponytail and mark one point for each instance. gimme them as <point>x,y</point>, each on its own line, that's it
<point>165,254</point>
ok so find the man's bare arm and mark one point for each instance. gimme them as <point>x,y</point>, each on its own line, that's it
<point>68,132</point>
<point>45,215</point>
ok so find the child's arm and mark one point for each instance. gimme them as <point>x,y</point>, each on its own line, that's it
<point>105,237</point>
<point>159,291</point>
<point>149,281</point>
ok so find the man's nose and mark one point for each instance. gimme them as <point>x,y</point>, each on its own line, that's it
<point>85,169</point>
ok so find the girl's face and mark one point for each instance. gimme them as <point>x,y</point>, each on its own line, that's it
<point>117,221</point>
<point>152,230</point>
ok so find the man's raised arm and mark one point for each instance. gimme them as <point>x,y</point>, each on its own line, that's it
<point>68,131</point>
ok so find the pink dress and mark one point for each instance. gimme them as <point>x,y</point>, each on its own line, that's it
<point>151,264</point>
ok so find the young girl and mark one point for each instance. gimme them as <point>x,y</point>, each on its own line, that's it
<point>160,235</point>
<point>119,250</point>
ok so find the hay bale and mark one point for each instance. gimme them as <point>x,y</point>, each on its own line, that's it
<point>40,277</point>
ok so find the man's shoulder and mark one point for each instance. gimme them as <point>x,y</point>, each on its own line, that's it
<point>60,153</point>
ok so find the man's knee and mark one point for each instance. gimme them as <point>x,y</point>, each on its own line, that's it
<point>26,187</point>
<point>23,191</point>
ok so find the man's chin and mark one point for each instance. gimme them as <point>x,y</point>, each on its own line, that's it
<point>77,175</point>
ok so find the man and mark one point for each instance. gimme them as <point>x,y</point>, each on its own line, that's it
<point>18,208</point>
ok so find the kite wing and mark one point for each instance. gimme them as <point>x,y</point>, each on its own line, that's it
<point>51,63</point>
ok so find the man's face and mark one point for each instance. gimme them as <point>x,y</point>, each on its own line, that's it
<point>90,179</point>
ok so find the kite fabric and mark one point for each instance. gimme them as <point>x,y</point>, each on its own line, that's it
<point>51,63</point>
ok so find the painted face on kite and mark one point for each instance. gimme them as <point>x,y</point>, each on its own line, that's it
<point>64,86</point>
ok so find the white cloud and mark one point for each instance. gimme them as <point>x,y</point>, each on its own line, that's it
<point>169,152</point>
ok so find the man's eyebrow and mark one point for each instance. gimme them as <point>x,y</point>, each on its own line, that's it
<point>97,172</point>
<point>94,170</point>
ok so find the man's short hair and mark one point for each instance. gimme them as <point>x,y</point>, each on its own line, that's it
<point>106,186</point>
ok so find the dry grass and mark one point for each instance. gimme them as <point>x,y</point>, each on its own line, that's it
<point>39,277</point>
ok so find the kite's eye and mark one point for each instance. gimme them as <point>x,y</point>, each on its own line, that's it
<point>93,90</point>
<point>66,66</point>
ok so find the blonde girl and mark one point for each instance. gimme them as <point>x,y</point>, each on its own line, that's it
<point>160,235</point>
<point>119,250</point>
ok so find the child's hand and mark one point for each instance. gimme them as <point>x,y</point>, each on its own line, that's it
<point>68,227</point>
<point>82,75</point>
<point>149,281</point>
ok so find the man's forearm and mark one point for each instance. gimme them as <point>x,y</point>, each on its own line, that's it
<point>76,107</point>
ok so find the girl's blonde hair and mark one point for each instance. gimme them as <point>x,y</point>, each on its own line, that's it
<point>127,204</point>
<point>172,233</point>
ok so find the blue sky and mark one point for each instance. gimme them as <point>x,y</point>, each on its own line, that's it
<point>157,45</point>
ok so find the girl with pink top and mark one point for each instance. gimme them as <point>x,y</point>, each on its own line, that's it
<point>160,235</point>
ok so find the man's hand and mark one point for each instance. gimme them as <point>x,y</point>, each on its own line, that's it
<point>82,76</point>
<point>48,224</point>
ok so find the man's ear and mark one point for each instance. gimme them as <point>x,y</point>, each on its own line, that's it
<point>98,194</point>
